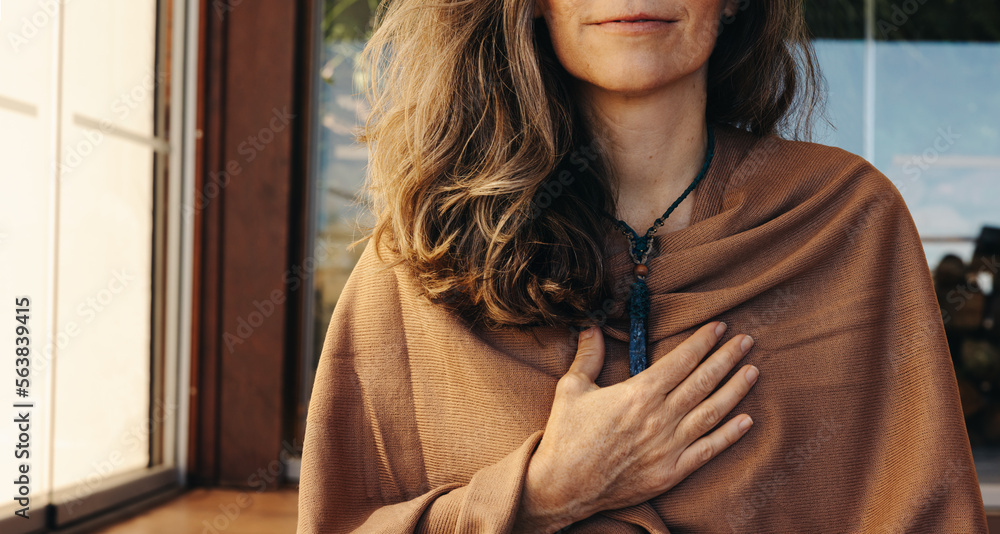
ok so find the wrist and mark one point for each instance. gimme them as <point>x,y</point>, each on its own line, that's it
<point>543,507</point>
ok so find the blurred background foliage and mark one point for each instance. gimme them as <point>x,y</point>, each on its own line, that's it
<point>906,20</point>
<point>348,20</point>
<point>346,26</point>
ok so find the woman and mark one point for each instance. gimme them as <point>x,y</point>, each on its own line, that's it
<point>514,352</point>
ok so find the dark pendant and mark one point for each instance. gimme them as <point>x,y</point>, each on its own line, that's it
<point>638,311</point>
<point>637,347</point>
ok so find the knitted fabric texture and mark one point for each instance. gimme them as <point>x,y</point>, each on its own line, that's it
<point>419,423</point>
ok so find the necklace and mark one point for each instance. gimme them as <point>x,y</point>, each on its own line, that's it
<point>639,247</point>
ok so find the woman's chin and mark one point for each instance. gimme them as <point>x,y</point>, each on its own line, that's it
<point>629,85</point>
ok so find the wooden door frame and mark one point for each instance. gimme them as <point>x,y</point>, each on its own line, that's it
<point>255,63</point>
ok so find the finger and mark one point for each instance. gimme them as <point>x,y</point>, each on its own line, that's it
<point>669,370</point>
<point>706,377</point>
<point>708,414</point>
<point>589,354</point>
<point>710,446</point>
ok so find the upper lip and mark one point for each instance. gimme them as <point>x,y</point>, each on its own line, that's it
<point>633,17</point>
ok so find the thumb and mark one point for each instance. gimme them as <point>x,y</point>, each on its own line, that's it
<point>589,354</point>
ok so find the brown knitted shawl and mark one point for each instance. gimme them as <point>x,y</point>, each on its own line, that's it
<point>418,423</point>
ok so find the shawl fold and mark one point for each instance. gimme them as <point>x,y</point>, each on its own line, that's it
<point>419,423</point>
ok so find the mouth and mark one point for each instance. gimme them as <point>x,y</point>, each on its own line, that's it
<point>637,18</point>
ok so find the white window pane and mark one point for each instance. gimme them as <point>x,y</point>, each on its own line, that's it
<point>105,243</point>
<point>27,100</point>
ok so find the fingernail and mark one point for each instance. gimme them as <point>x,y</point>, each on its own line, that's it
<point>588,333</point>
<point>720,328</point>
<point>745,423</point>
<point>751,375</point>
<point>746,343</point>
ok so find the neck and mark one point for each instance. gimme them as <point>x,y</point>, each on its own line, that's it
<point>655,144</point>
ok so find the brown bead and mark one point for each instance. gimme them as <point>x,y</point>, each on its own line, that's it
<point>640,270</point>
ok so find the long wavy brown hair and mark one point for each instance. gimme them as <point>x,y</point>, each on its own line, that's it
<point>481,175</point>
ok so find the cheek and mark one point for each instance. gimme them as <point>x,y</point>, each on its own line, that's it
<point>698,43</point>
<point>705,23</point>
<point>572,48</point>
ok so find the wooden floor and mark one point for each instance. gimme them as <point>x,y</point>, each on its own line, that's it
<point>214,511</point>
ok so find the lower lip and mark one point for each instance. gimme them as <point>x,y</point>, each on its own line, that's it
<point>636,27</point>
